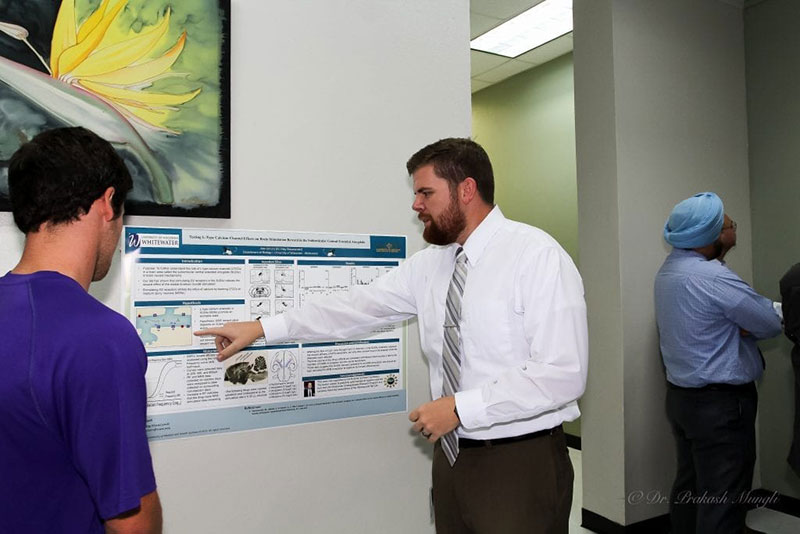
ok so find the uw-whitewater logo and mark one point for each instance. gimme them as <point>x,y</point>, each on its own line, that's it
<point>136,240</point>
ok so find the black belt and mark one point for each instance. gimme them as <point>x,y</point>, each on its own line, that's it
<point>739,388</point>
<point>464,443</point>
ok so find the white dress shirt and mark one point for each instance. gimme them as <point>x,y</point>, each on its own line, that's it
<point>523,325</point>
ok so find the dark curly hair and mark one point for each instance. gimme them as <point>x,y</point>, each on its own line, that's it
<point>57,176</point>
<point>456,159</point>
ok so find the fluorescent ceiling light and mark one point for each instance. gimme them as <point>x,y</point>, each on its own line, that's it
<point>538,25</point>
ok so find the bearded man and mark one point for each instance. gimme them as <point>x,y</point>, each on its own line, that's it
<point>502,323</point>
<point>709,320</point>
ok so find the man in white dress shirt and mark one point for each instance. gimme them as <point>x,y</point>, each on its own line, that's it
<point>504,332</point>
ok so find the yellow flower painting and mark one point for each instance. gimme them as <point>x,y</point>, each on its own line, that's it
<point>149,76</point>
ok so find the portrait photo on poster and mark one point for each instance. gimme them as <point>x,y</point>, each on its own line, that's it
<point>150,76</point>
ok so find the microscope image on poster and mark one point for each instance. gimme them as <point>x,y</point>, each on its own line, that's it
<point>246,368</point>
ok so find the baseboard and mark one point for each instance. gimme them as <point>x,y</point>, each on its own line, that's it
<point>573,442</point>
<point>660,524</point>
<point>601,525</point>
<point>775,501</point>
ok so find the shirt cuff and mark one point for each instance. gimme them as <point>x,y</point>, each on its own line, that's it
<point>778,307</point>
<point>471,411</point>
<point>275,329</point>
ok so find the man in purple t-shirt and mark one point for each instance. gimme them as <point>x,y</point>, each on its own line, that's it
<point>74,456</point>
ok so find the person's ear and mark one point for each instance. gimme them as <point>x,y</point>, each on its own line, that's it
<point>107,204</point>
<point>468,189</point>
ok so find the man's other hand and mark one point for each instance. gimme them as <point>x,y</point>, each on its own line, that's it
<point>230,338</point>
<point>435,419</point>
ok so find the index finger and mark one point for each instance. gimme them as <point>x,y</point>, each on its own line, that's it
<point>413,416</point>
<point>208,332</point>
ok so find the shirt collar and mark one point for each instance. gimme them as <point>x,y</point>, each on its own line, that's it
<point>691,253</point>
<point>687,252</point>
<point>479,238</point>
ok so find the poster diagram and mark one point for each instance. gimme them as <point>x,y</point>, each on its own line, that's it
<point>165,326</point>
<point>181,280</point>
<point>321,278</point>
<point>284,366</point>
<point>164,381</point>
<point>245,368</point>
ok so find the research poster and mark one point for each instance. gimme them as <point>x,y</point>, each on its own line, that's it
<point>179,280</point>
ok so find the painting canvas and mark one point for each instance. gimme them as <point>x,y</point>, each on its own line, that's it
<point>150,76</point>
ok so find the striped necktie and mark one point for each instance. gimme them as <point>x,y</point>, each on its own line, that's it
<point>451,350</point>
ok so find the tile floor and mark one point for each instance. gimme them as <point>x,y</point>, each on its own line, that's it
<point>773,522</point>
<point>762,519</point>
<point>577,495</point>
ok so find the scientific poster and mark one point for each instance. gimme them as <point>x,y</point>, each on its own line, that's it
<point>181,280</point>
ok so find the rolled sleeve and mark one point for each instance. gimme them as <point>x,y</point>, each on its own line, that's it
<point>749,310</point>
<point>275,329</point>
<point>471,408</point>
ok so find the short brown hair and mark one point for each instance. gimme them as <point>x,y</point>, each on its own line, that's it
<point>455,159</point>
<point>56,177</point>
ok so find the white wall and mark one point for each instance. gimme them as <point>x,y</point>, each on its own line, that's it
<point>329,99</point>
<point>660,110</point>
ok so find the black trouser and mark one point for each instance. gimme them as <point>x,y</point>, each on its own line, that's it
<point>524,487</point>
<point>714,430</point>
<point>794,452</point>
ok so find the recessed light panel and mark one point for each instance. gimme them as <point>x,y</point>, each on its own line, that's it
<point>538,25</point>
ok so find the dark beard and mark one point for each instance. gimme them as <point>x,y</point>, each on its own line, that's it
<point>449,226</point>
<point>717,249</point>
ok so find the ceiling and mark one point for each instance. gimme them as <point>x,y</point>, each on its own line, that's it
<point>488,69</point>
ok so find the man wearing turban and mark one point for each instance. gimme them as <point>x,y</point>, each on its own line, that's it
<point>709,320</point>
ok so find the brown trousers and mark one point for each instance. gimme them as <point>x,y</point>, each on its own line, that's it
<point>511,488</point>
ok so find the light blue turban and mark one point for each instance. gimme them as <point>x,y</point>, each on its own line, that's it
<point>695,222</point>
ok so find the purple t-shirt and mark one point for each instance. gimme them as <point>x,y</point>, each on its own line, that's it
<point>73,448</point>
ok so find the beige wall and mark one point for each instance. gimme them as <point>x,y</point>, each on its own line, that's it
<point>527,125</point>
